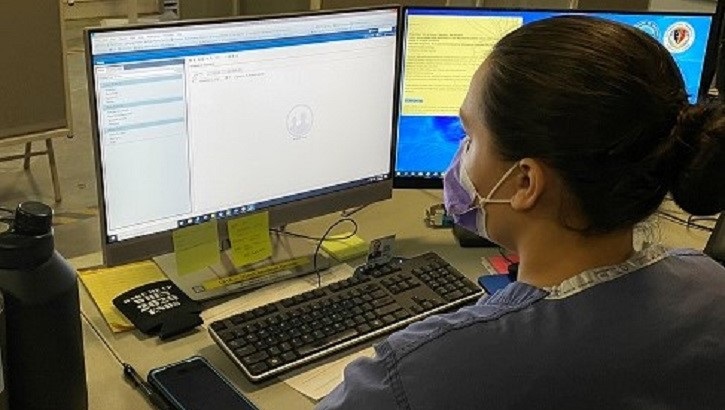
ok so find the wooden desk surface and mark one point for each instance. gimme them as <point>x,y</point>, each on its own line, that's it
<point>402,216</point>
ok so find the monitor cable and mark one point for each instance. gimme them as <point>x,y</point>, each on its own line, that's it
<point>324,237</point>
<point>320,240</point>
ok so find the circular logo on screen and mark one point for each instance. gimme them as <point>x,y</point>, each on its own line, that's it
<point>299,121</point>
<point>679,37</point>
<point>649,27</point>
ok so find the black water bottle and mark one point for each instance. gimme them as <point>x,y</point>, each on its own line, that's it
<point>45,363</point>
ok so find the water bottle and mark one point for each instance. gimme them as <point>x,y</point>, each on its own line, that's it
<point>45,363</point>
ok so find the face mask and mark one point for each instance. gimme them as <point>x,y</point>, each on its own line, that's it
<point>462,200</point>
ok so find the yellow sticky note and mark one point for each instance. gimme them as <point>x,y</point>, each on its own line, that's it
<point>249,236</point>
<point>107,283</point>
<point>196,247</point>
<point>344,249</point>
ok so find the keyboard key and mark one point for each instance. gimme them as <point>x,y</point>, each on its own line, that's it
<point>382,302</point>
<point>326,342</point>
<point>236,343</point>
<point>245,351</point>
<point>401,314</point>
<point>288,356</point>
<point>285,346</point>
<point>218,326</point>
<point>387,309</point>
<point>376,323</point>
<point>227,336</point>
<point>274,362</point>
<point>388,319</point>
<point>379,294</point>
<point>258,368</point>
<point>363,328</point>
<point>274,351</point>
<point>456,294</point>
<point>254,358</point>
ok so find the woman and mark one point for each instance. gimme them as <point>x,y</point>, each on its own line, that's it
<point>577,129</point>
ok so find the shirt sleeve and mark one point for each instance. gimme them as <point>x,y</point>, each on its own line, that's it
<point>366,385</point>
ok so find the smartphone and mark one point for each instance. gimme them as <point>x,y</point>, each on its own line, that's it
<point>193,384</point>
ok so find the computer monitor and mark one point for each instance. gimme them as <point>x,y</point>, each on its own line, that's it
<point>442,47</point>
<point>201,120</point>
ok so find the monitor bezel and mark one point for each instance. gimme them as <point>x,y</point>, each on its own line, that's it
<point>708,68</point>
<point>155,244</point>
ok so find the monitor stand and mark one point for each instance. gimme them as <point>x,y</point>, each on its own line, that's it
<point>468,239</point>
<point>291,257</point>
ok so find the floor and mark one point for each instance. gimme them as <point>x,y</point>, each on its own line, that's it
<point>76,217</point>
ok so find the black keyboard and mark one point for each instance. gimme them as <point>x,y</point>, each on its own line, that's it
<point>277,337</point>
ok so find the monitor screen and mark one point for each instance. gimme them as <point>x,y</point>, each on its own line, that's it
<point>215,119</point>
<point>443,47</point>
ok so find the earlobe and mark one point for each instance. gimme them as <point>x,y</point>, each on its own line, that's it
<point>530,183</point>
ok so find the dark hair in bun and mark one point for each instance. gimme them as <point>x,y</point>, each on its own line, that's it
<point>699,142</point>
<point>605,105</point>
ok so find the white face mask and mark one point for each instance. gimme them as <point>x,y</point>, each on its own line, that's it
<point>479,202</point>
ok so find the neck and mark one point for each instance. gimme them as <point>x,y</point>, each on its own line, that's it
<point>549,258</point>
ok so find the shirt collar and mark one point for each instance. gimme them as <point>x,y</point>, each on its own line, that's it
<point>596,276</point>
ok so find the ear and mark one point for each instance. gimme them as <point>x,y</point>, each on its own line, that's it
<point>530,182</point>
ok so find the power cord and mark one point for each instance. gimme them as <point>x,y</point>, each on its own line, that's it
<point>322,239</point>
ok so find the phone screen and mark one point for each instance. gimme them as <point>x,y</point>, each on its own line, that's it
<point>192,384</point>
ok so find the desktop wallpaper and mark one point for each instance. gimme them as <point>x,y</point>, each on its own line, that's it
<point>443,47</point>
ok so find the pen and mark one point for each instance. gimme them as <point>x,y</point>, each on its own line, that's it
<point>130,374</point>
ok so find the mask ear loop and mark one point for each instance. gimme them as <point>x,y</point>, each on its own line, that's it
<point>488,200</point>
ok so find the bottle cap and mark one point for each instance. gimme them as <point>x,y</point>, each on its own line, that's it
<point>33,218</point>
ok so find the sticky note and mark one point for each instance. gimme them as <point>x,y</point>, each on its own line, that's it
<point>345,249</point>
<point>196,247</point>
<point>105,284</point>
<point>249,237</point>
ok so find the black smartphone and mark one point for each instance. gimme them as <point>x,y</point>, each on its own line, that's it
<point>193,384</point>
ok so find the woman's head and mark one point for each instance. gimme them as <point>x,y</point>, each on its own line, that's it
<point>596,114</point>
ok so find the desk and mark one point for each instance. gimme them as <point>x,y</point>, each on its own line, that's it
<point>403,215</point>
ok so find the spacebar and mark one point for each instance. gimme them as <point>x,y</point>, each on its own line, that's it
<point>326,342</point>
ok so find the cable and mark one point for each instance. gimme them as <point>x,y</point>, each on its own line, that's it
<point>315,269</point>
<point>500,250</point>
<point>684,222</point>
<point>282,231</point>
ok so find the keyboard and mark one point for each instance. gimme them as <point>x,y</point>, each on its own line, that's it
<point>280,336</point>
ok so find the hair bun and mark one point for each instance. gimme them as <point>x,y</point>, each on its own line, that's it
<point>698,138</point>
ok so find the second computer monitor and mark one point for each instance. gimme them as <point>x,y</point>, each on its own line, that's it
<point>443,47</point>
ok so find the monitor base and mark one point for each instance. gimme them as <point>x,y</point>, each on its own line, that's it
<point>292,257</point>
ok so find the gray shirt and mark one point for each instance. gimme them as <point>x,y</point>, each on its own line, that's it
<point>649,333</point>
